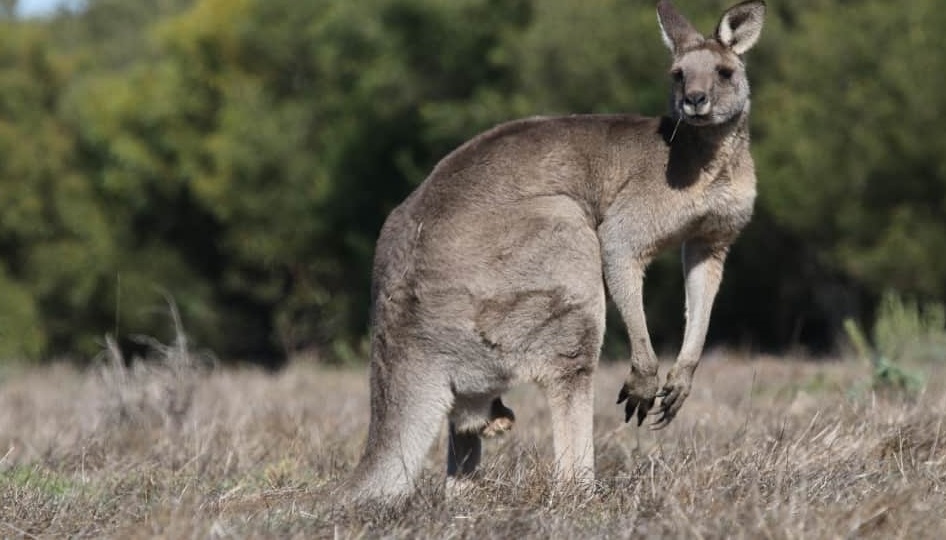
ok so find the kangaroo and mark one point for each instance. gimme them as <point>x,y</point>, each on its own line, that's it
<point>493,271</point>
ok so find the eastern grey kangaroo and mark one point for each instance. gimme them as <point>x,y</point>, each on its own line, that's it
<point>493,271</point>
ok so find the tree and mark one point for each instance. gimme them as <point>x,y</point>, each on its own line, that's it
<point>240,156</point>
<point>52,228</point>
<point>845,144</point>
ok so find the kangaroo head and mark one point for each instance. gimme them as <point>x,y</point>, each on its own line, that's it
<point>709,77</point>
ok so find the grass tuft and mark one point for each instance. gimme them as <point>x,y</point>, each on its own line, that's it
<point>905,333</point>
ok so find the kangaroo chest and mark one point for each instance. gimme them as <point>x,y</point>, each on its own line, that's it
<point>713,209</point>
<point>721,207</point>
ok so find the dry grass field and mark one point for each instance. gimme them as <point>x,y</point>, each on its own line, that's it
<point>764,448</point>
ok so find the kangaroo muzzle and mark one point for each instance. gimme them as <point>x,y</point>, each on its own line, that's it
<point>696,104</point>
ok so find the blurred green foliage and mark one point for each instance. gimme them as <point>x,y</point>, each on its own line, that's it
<point>905,334</point>
<point>241,156</point>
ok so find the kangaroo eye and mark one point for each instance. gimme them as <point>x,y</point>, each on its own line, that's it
<point>677,74</point>
<point>724,72</point>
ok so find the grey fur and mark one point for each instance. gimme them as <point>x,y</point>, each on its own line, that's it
<point>493,271</point>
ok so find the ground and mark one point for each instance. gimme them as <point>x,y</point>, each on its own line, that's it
<point>763,448</point>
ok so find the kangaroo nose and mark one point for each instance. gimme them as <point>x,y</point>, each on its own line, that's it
<point>696,99</point>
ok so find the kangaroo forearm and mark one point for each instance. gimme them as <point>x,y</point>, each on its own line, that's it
<point>703,269</point>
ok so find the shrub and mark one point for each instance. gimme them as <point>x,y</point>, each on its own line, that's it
<point>904,331</point>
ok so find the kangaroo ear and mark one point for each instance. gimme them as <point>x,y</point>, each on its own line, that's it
<point>741,25</point>
<point>677,32</point>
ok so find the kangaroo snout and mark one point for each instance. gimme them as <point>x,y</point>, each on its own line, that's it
<point>696,104</point>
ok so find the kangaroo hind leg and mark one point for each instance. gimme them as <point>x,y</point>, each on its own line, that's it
<point>571,407</point>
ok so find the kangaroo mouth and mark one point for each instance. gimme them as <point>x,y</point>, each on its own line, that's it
<point>697,115</point>
<point>698,119</point>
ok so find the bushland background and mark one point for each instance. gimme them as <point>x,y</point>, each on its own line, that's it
<point>238,157</point>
